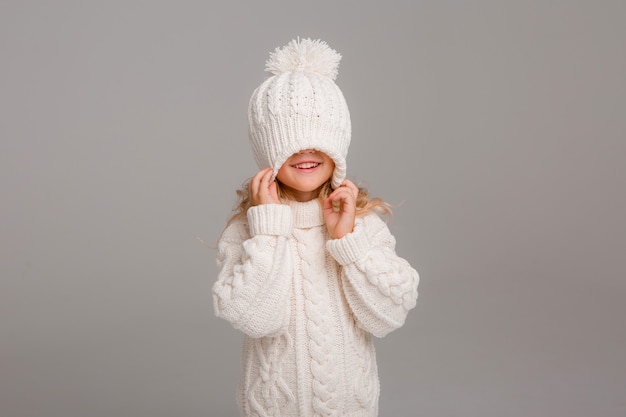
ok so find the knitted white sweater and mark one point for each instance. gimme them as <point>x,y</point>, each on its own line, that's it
<point>308,306</point>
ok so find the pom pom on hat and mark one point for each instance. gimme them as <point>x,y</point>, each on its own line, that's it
<point>299,107</point>
<point>305,55</point>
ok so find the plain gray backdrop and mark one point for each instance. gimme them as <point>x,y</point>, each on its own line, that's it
<point>496,127</point>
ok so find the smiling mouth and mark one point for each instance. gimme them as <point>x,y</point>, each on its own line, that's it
<point>306,165</point>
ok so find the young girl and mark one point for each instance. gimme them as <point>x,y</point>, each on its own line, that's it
<point>308,269</point>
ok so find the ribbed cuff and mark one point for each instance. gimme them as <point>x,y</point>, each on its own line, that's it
<point>350,248</point>
<point>270,219</point>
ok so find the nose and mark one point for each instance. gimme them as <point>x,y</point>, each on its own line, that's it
<point>304,151</point>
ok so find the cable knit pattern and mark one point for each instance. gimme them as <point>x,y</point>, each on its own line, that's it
<point>380,287</point>
<point>366,381</point>
<point>254,286</point>
<point>283,283</point>
<point>270,394</point>
<point>310,245</point>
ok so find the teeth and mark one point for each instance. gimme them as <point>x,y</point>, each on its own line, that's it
<point>306,165</point>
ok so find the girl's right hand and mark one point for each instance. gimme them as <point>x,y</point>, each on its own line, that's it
<point>261,190</point>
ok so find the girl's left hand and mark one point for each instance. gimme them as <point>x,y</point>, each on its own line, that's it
<point>340,209</point>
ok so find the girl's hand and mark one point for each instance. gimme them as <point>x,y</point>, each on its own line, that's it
<point>340,210</point>
<point>261,190</point>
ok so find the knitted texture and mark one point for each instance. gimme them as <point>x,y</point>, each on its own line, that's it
<point>300,107</point>
<point>310,249</point>
<point>308,307</point>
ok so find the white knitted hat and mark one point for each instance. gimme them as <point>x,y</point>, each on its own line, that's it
<point>300,107</point>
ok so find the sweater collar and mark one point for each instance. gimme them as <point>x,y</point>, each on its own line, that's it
<point>307,214</point>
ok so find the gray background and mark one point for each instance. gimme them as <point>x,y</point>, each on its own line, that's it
<point>497,127</point>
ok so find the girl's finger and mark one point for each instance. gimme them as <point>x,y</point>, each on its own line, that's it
<point>352,187</point>
<point>342,199</point>
<point>256,184</point>
<point>331,205</point>
<point>257,178</point>
<point>262,174</point>
<point>342,193</point>
<point>267,176</point>
<point>253,186</point>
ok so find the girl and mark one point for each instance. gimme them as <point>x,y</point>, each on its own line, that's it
<point>308,269</point>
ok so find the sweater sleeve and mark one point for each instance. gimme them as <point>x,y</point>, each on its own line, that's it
<point>380,286</point>
<point>254,284</point>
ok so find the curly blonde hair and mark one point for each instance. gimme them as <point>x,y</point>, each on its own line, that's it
<point>364,204</point>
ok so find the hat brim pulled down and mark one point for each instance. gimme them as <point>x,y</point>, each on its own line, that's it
<point>339,173</point>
